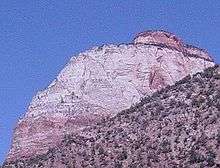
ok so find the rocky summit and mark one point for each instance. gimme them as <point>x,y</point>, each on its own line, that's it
<point>99,83</point>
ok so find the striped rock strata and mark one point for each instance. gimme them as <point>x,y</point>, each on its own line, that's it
<point>101,82</point>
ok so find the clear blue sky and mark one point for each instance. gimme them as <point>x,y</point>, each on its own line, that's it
<point>37,38</point>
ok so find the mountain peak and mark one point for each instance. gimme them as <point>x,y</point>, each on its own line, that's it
<point>164,38</point>
<point>158,37</point>
<point>101,82</point>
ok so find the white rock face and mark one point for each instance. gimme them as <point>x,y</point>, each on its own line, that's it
<point>99,83</point>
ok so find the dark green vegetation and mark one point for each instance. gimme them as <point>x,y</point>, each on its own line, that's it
<point>178,126</point>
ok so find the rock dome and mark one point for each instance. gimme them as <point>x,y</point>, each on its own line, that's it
<point>99,83</point>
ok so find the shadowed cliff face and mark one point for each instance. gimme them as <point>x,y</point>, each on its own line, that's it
<point>178,126</point>
<point>101,82</point>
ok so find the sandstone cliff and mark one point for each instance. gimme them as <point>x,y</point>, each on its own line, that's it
<point>101,82</point>
<point>178,126</point>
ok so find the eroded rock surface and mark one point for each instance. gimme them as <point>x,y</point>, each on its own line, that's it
<point>178,126</point>
<point>101,82</point>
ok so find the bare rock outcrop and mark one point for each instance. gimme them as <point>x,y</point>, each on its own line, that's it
<point>176,127</point>
<point>101,82</point>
